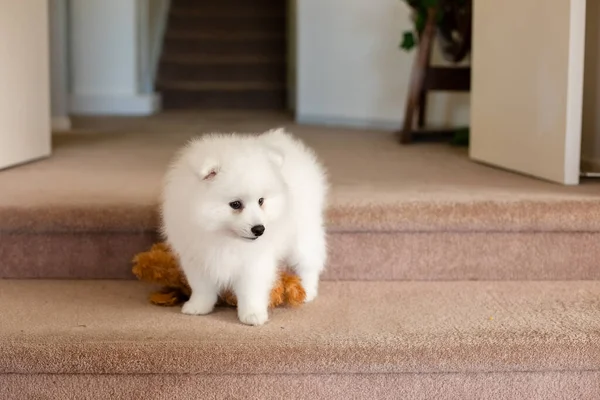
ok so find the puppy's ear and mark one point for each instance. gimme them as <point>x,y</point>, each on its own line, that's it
<point>276,131</point>
<point>275,156</point>
<point>207,170</point>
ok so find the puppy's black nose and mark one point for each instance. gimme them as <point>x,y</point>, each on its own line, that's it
<point>258,230</point>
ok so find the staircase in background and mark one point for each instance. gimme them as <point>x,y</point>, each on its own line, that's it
<point>224,54</point>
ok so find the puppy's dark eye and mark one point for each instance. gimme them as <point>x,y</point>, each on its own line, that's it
<point>261,201</point>
<point>236,205</point>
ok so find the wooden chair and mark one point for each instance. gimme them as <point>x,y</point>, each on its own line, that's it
<point>425,78</point>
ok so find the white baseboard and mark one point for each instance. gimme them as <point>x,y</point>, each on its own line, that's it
<point>60,124</point>
<point>114,105</point>
<point>348,122</point>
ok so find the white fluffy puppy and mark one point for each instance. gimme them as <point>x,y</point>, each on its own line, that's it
<point>236,207</point>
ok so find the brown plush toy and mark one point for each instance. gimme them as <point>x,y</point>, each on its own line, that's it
<point>160,266</point>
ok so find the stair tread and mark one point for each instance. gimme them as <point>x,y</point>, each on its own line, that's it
<point>414,212</point>
<point>222,35</point>
<point>221,59</point>
<point>219,12</point>
<point>396,189</point>
<point>223,86</point>
<point>353,327</point>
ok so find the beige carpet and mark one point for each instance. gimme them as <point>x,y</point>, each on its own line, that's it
<point>410,227</point>
<point>377,184</point>
<point>563,385</point>
<point>436,340</point>
<point>396,212</point>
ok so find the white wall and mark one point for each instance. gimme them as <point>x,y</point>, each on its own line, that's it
<point>59,64</point>
<point>153,16</point>
<point>105,59</point>
<point>351,71</point>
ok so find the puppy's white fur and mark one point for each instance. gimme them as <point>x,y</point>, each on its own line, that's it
<point>214,242</point>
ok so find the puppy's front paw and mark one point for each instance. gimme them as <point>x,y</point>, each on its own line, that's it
<point>311,293</point>
<point>253,317</point>
<point>195,307</point>
<point>310,282</point>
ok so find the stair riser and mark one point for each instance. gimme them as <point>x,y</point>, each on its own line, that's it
<point>227,24</point>
<point>450,386</point>
<point>203,4</point>
<point>266,47</point>
<point>239,11</point>
<point>353,256</point>
<point>231,100</point>
<point>267,72</point>
<point>237,5</point>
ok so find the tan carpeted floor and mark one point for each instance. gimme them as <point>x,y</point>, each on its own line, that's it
<point>409,228</point>
<point>413,212</point>
<point>536,337</point>
<point>562,385</point>
<point>377,184</point>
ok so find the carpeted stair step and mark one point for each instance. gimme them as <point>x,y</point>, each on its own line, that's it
<point>227,86</point>
<point>207,44</point>
<point>233,5</point>
<point>222,95</point>
<point>269,69</point>
<point>229,41</point>
<point>236,82</point>
<point>367,340</point>
<point>218,11</point>
<point>395,213</point>
<point>224,35</point>
<point>268,22</point>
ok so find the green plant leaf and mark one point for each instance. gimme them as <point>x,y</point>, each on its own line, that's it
<point>412,3</point>
<point>408,41</point>
<point>461,137</point>
<point>429,3</point>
